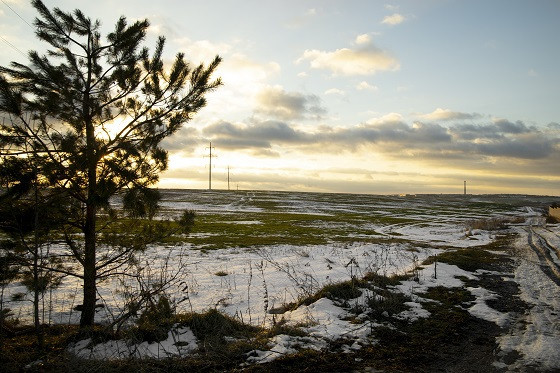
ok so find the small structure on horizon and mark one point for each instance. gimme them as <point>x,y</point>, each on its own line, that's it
<point>465,187</point>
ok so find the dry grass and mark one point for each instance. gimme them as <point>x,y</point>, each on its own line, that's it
<point>494,224</point>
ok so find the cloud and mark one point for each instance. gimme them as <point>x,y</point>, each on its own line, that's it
<point>335,91</point>
<point>239,69</point>
<point>526,146</point>
<point>505,126</point>
<point>202,50</point>
<point>393,19</point>
<point>365,86</point>
<point>275,102</point>
<point>393,137</point>
<point>363,39</point>
<point>260,135</point>
<point>367,59</point>
<point>445,114</point>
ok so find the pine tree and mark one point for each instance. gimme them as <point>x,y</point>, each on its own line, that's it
<point>96,112</point>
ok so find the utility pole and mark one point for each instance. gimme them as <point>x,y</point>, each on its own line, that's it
<point>210,167</point>
<point>227,177</point>
<point>465,190</point>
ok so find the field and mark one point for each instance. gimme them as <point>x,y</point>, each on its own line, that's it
<point>339,272</point>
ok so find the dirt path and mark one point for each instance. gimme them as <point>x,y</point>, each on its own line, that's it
<point>547,253</point>
<point>533,340</point>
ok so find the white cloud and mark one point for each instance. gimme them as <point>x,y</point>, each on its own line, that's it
<point>393,19</point>
<point>533,73</point>
<point>239,69</point>
<point>385,119</point>
<point>363,39</point>
<point>363,85</point>
<point>446,114</point>
<point>202,50</point>
<point>366,60</point>
<point>302,74</point>
<point>335,91</point>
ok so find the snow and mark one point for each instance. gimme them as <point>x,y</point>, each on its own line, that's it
<point>440,274</point>
<point>415,312</point>
<point>481,310</point>
<point>253,281</point>
<point>536,335</point>
<point>180,341</point>
<point>284,345</point>
<point>325,320</point>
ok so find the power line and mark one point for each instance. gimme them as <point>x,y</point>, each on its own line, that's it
<point>17,14</point>
<point>13,46</point>
<point>20,17</point>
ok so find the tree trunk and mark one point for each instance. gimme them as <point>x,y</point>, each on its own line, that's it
<point>90,290</point>
<point>36,289</point>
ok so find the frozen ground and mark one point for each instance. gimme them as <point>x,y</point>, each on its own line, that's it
<point>535,335</point>
<point>358,234</point>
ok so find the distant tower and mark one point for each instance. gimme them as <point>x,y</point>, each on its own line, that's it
<point>465,187</point>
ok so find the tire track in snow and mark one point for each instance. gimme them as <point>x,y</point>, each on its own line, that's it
<point>544,252</point>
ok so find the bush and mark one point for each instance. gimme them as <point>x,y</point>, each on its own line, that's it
<point>494,224</point>
<point>156,320</point>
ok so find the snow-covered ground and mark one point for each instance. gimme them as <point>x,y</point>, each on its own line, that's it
<point>247,283</point>
<point>536,334</point>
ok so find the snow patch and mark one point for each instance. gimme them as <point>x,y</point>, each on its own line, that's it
<point>180,341</point>
<point>481,310</point>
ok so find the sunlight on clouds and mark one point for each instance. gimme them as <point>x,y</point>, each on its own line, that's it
<point>387,118</point>
<point>297,170</point>
<point>363,39</point>
<point>243,79</point>
<point>387,154</point>
<point>346,61</point>
<point>393,19</point>
<point>240,71</point>
<point>446,114</point>
<point>205,50</point>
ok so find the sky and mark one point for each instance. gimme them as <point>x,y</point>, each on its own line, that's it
<point>380,97</point>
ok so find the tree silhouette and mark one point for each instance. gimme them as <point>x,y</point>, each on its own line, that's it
<point>96,112</point>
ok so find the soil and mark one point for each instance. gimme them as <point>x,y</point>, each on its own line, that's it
<point>467,343</point>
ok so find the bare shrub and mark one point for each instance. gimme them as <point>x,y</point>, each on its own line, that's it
<point>493,224</point>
